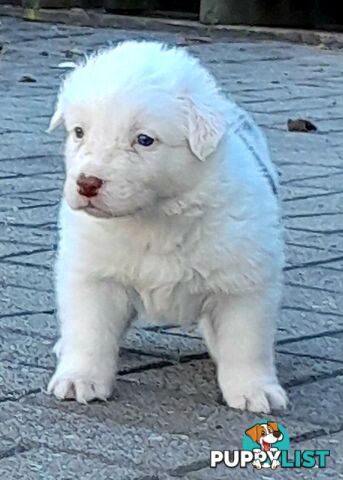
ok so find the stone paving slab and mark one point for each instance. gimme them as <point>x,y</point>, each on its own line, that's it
<point>166,413</point>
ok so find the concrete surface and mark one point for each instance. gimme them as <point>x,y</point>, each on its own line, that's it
<point>166,413</point>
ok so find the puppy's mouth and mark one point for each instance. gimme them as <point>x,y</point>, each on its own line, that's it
<point>90,208</point>
<point>96,212</point>
<point>99,212</point>
<point>266,445</point>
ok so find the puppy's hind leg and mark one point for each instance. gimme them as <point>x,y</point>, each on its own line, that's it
<point>93,315</point>
<point>241,342</point>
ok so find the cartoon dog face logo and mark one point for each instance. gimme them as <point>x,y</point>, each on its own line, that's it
<point>268,440</point>
<point>265,434</point>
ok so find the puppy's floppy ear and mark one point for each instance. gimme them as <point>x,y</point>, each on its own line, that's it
<point>273,425</point>
<point>57,118</point>
<point>253,433</point>
<point>205,127</point>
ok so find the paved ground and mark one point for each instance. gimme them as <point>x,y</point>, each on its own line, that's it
<point>165,415</point>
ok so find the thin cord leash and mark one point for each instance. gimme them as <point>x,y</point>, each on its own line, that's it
<point>246,126</point>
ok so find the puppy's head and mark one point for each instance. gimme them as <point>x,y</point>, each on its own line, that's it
<point>265,434</point>
<point>140,121</point>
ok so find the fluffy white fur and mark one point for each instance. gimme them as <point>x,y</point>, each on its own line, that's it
<point>184,230</point>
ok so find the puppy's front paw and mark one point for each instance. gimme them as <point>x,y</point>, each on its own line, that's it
<point>255,397</point>
<point>79,387</point>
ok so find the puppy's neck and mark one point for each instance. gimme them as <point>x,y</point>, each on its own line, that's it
<point>196,203</point>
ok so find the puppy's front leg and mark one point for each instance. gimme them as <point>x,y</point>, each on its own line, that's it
<point>242,344</point>
<point>93,315</point>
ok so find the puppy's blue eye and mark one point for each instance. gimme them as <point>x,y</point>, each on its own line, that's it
<point>79,133</point>
<point>145,140</point>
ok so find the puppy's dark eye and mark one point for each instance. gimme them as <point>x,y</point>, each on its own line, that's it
<point>145,140</point>
<point>79,133</point>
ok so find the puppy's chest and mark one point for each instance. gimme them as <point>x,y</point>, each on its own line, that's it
<point>173,303</point>
<point>164,285</point>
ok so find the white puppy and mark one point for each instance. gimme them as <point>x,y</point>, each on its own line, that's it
<point>170,211</point>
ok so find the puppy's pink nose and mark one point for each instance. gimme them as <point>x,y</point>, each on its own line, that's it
<point>88,186</point>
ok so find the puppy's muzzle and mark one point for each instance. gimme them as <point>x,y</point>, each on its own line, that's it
<point>88,186</point>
